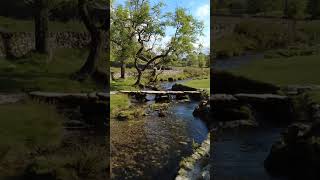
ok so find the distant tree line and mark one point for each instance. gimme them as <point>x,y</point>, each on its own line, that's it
<point>309,8</point>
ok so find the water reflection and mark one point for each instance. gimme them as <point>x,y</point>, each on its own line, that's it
<point>153,147</point>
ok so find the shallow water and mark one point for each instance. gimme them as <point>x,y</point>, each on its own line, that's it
<point>235,62</point>
<point>153,147</point>
<point>239,155</point>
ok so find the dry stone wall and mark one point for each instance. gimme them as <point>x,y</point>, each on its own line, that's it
<point>17,44</point>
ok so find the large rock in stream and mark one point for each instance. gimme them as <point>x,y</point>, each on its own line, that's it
<point>297,154</point>
<point>240,110</point>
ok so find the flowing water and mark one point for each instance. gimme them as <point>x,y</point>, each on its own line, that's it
<point>240,155</point>
<point>151,148</point>
<point>235,62</point>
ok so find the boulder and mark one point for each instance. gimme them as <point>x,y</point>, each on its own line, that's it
<point>202,111</point>
<point>234,113</point>
<point>180,87</point>
<point>297,154</point>
<point>161,113</point>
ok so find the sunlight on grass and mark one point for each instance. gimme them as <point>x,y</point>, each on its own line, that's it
<point>27,122</point>
<point>283,71</point>
<point>38,72</point>
<point>118,101</point>
<point>199,84</point>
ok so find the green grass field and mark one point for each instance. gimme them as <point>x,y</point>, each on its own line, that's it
<point>302,70</point>
<point>118,101</point>
<point>183,73</point>
<point>38,72</point>
<point>17,25</point>
<point>29,122</point>
<point>199,84</point>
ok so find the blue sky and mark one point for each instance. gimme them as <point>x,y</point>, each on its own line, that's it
<point>200,9</point>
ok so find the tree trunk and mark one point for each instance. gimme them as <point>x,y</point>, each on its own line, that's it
<point>96,45</point>
<point>138,82</point>
<point>123,69</point>
<point>41,26</point>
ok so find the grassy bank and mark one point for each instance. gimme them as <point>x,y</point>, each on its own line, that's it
<point>24,128</point>
<point>17,25</point>
<point>257,36</point>
<point>283,71</point>
<point>38,72</point>
<point>34,146</point>
<point>122,110</point>
<point>199,84</point>
<point>178,73</point>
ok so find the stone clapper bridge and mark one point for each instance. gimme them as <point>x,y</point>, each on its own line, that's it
<point>161,95</point>
<point>100,96</point>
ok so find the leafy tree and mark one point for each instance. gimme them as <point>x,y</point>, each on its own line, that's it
<point>96,17</point>
<point>297,9</point>
<point>192,59</point>
<point>124,45</point>
<point>149,24</point>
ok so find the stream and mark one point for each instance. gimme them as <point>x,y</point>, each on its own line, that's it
<point>235,62</point>
<point>239,154</point>
<point>152,148</point>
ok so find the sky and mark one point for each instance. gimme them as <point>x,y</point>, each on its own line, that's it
<point>200,9</point>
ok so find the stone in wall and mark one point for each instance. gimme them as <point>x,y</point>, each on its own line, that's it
<point>18,44</point>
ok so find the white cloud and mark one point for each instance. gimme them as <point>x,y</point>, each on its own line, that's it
<point>203,11</point>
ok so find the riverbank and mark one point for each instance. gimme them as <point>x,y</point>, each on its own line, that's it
<point>293,76</point>
<point>177,74</point>
<point>49,141</point>
<point>162,135</point>
<point>37,72</point>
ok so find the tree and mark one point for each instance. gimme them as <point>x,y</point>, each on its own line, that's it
<point>95,15</point>
<point>296,9</point>
<point>122,39</point>
<point>149,24</point>
<point>41,18</point>
<point>41,11</point>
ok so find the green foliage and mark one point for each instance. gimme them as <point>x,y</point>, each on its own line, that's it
<point>83,162</point>
<point>123,45</point>
<point>251,36</point>
<point>291,51</point>
<point>140,26</point>
<point>297,9</point>
<point>39,72</point>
